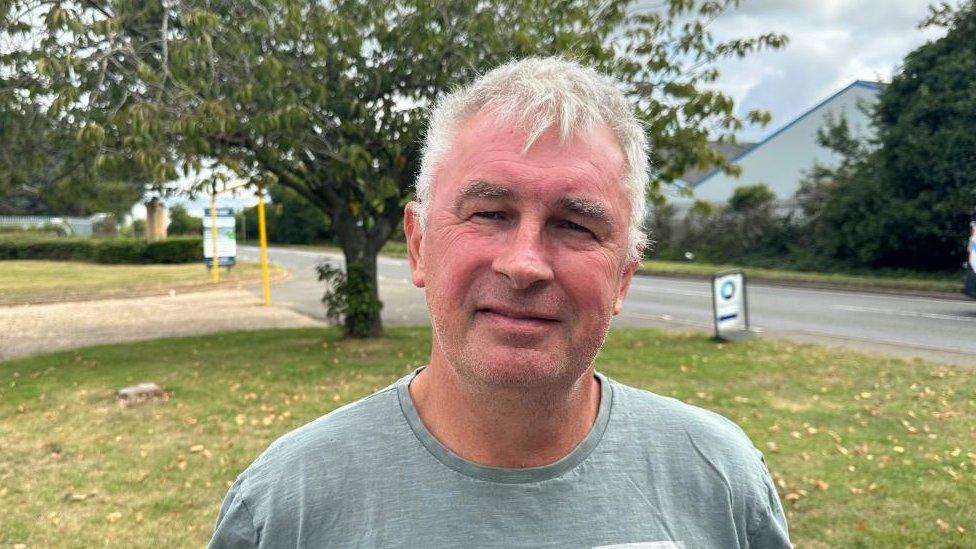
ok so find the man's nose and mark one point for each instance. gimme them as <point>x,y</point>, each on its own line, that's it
<point>523,261</point>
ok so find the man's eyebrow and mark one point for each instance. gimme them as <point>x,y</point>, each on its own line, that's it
<point>587,208</point>
<point>482,189</point>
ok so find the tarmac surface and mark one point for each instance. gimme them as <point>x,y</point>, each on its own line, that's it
<point>942,329</point>
<point>938,329</point>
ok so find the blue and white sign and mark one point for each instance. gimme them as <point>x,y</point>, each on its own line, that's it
<point>226,238</point>
<point>729,305</point>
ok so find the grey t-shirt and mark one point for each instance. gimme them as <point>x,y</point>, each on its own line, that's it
<point>652,471</point>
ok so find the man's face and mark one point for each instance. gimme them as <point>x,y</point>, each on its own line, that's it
<point>524,259</point>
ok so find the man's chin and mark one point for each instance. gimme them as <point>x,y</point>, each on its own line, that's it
<point>519,368</point>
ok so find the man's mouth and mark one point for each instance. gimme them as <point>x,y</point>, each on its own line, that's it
<point>518,316</point>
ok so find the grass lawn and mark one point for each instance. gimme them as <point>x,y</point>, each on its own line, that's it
<point>30,281</point>
<point>885,281</point>
<point>866,451</point>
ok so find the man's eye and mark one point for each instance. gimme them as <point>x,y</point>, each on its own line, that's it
<point>489,215</point>
<point>576,227</point>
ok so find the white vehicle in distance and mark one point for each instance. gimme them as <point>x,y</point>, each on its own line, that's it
<point>969,287</point>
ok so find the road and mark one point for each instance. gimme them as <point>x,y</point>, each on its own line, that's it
<point>938,329</point>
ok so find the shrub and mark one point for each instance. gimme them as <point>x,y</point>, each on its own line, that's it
<point>118,251</point>
<point>351,299</point>
<point>115,251</point>
<point>184,249</point>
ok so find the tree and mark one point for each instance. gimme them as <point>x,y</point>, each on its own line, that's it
<point>329,98</point>
<point>927,134</point>
<point>42,171</point>
<point>847,212</point>
<point>290,219</point>
<point>752,198</point>
<point>903,200</point>
<point>182,223</point>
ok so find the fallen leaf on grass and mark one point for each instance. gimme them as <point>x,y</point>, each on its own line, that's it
<point>114,517</point>
<point>196,448</point>
<point>821,485</point>
<point>943,525</point>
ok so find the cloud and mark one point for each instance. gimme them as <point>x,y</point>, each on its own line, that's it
<point>832,43</point>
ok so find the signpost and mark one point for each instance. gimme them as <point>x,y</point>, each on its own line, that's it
<point>220,240</point>
<point>219,222</point>
<point>729,306</point>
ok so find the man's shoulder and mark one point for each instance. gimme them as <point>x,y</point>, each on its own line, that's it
<point>327,443</point>
<point>682,427</point>
<point>700,452</point>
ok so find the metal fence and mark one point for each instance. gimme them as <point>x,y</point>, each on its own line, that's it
<point>73,226</point>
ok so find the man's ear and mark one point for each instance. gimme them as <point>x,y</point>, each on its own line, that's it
<point>625,279</point>
<point>415,235</point>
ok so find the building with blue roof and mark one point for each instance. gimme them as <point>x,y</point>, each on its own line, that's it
<point>782,159</point>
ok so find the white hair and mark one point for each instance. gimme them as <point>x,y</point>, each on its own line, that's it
<point>537,94</point>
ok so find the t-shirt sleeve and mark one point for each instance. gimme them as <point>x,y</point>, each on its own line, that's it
<point>235,524</point>
<point>770,530</point>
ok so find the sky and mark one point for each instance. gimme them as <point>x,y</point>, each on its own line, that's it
<point>832,43</point>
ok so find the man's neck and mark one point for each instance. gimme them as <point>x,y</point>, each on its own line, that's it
<point>505,427</point>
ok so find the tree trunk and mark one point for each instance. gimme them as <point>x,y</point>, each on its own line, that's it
<point>363,318</point>
<point>361,290</point>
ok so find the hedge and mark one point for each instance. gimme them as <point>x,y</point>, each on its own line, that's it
<point>184,249</point>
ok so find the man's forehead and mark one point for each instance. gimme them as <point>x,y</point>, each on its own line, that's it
<point>521,130</point>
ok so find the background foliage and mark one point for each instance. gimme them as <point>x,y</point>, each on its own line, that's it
<point>290,220</point>
<point>902,200</point>
<point>330,99</point>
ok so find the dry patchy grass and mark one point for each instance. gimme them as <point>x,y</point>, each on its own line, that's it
<point>866,451</point>
<point>32,281</point>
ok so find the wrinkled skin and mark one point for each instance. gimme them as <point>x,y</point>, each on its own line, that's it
<point>522,272</point>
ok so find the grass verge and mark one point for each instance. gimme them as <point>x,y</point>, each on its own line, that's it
<point>865,451</point>
<point>30,281</point>
<point>890,281</point>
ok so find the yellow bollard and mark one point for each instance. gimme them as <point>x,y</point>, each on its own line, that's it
<point>214,263</point>
<point>263,237</point>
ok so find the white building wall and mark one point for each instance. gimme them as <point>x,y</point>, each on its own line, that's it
<point>781,160</point>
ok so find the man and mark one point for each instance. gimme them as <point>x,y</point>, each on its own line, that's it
<point>525,237</point>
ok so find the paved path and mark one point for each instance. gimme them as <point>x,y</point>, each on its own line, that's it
<point>30,329</point>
